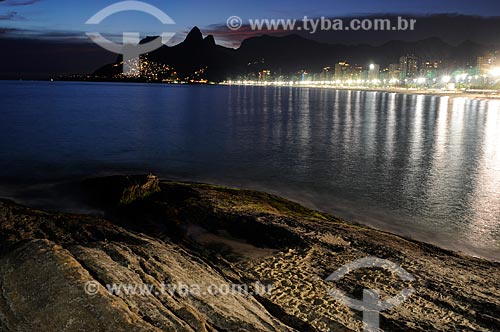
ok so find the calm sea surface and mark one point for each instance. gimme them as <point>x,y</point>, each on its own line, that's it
<point>421,166</point>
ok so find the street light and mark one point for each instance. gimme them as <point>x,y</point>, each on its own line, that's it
<point>446,79</point>
<point>495,71</point>
<point>421,80</point>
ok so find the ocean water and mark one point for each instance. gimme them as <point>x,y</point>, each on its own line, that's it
<point>425,167</point>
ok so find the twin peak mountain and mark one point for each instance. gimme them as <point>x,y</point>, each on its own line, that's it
<point>287,54</point>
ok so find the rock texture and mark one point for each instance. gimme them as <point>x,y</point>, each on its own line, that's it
<point>169,233</point>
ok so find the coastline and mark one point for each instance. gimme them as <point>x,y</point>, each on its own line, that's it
<point>64,196</point>
<point>350,213</point>
<point>490,95</point>
<point>408,91</point>
<point>431,92</point>
<point>152,228</point>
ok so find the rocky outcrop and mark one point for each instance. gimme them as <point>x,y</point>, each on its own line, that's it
<point>58,272</point>
<point>42,290</point>
<point>44,281</point>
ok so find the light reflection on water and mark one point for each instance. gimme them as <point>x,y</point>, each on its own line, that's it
<point>485,198</point>
<point>422,166</point>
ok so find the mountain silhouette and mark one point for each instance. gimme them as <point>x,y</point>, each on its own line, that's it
<point>195,53</point>
<point>198,57</point>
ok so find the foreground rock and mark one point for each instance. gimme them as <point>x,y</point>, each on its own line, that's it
<point>170,236</point>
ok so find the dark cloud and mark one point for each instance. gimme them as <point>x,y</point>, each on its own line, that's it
<point>451,28</point>
<point>233,38</point>
<point>50,35</point>
<point>6,31</point>
<point>14,3</point>
<point>11,16</point>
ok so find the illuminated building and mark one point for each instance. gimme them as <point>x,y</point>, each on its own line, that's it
<point>408,65</point>
<point>430,68</point>
<point>486,63</point>
<point>342,70</point>
<point>326,74</point>
<point>373,72</point>
<point>394,72</point>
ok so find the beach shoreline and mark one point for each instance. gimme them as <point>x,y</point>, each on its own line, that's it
<point>194,233</point>
<point>64,196</point>
<point>490,95</point>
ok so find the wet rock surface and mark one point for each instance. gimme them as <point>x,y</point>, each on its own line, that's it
<point>162,234</point>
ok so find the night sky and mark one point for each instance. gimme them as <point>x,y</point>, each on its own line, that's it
<point>51,21</point>
<point>49,17</point>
